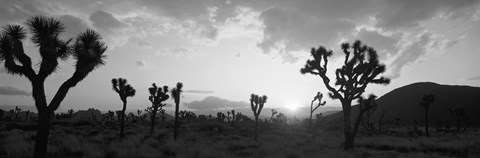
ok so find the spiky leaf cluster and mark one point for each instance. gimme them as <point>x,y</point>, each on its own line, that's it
<point>123,89</point>
<point>176,92</point>
<point>361,67</point>
<point>257,103</point>
<point>427,100</point>
<point>158,95</point>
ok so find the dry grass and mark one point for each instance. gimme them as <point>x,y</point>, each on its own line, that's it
<point>216,140</point>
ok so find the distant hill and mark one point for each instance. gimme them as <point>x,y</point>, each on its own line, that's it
<point>403,103</point>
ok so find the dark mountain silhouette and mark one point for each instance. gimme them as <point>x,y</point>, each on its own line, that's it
<point>404,103</point>
<point>90,114</point>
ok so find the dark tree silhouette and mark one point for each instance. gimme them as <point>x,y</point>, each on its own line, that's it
<point>425,103</point>
<point>157,97</point>
<point>70,113</point>
<point>221,116</point>
<point>17,112</point>
<point>367,125</point>
<point>274,112</point>
<point>233,117</point>
<point>459,115</point>
<point>318,97</point>
<point>361,68</point>
<point>124,90</point>
<point>176,93</point>
<point>228,116</point>
<point>26,114</point>
<point>87,50</point>
<point>257,103</point>
<point>364,105</point>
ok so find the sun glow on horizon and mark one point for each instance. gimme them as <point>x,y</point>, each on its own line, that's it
<point>292,106</point>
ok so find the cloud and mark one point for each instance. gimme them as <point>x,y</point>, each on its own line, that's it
<point>7,90</point>
<point>216,103</point>
<point>382,43</point>
<point>104,20</point>
<point>179,52</point>
<point>144,65</point>
<point>199,91</point>
<point>396,14</point>
<point>474,78</point>
<point>73,26</point>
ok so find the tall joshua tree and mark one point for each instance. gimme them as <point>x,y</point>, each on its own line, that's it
<point>459,115</point>
<point>124,90</point>
<point>157,97</point>
<point>257,103</point>
<point>176,93</point>
<point>318,97</point>
<point>425,103</point>
<point>360,68</point>
<point>86,49</point>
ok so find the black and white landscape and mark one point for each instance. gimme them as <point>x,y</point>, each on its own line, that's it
<point>239,78</point>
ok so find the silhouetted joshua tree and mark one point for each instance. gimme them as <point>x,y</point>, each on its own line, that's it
<point>87,50</point>
<point>459,115</point>
<point>157,97</point>
<point>361,67</point>
<point>70,113</point>
<point>257,103</point>
<point>233,117</point>
<point>425,103</point>
<point>124,90</point>
<point>228,116</point>
<point>221,116</point>
<point>364,105</point>
<point>176,93</point>
<point>369,126</point>
<point>274,112</point>
<point>318,97</point>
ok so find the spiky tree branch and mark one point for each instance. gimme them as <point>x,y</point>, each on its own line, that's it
<point>318,97</point>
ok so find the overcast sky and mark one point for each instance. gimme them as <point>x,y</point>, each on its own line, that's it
<point>232,48</point>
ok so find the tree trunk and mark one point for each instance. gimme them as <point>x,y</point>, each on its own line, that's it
<point>153,118</point>
<point>256,128</point>
<point>41,138</point>
<point>311,113</point>
<point>175,133</point>
<point>122,119</point>
<point>347,126</point>
<point>426,123</point>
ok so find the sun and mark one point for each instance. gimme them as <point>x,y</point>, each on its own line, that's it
<point>292,106</point>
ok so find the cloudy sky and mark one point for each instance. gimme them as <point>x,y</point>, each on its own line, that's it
<point>228,49</point>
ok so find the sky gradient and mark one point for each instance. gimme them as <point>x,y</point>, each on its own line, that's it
<point>229,49</point>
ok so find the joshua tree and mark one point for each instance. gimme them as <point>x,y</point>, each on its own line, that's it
<point>257,103</point>
<point>228,116</point>
<point>425,103</point>
<point>274,112</point>
<point>459,115</point>
<point>233,117</point>
<point>157,97</point>
<point>318,97</point>
<point>364,105</point>
<point>124,90</point>
<point>70,113</point>
<point>1,114</point>
<point>221,116</point>
<point>176,93</point>
<point>361,68</point>
<point>86,49</point>
<point>369,126</point>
